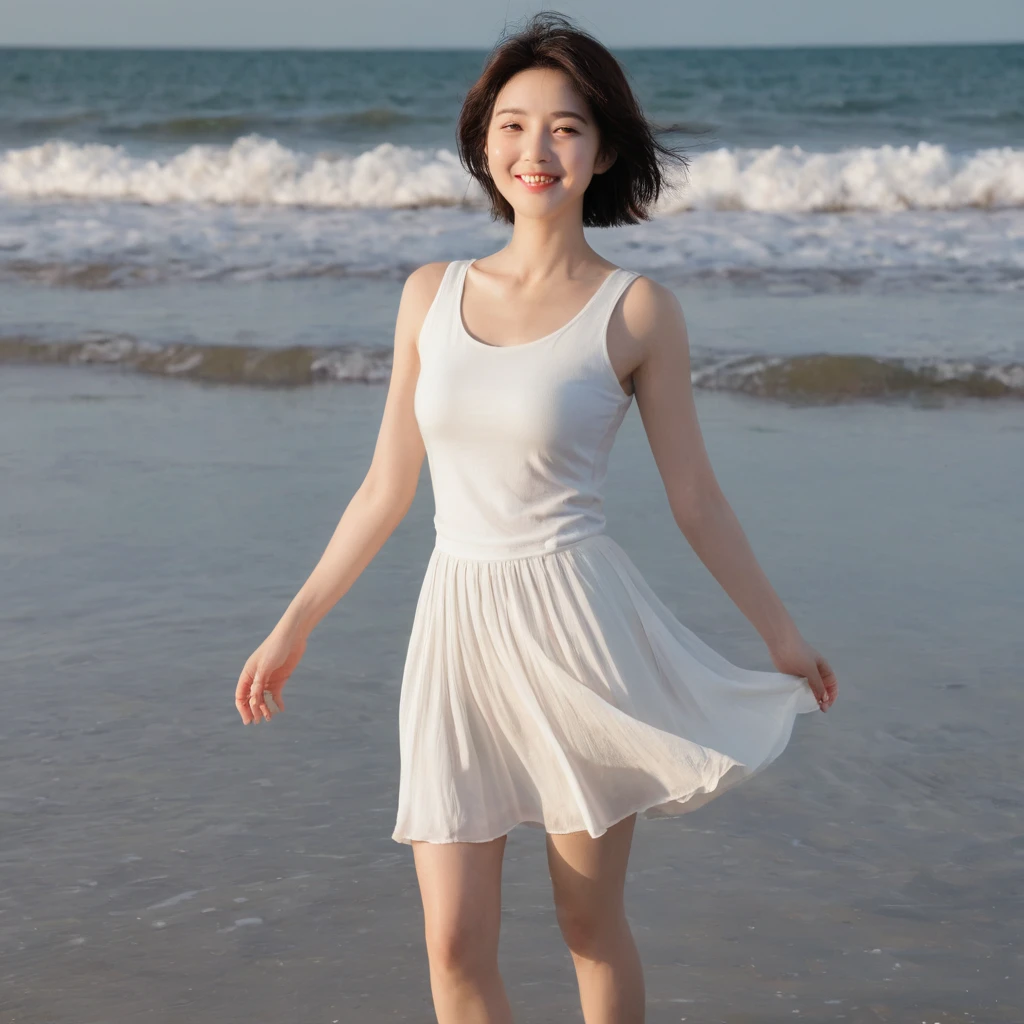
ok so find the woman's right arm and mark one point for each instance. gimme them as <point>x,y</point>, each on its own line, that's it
<point>371,516</point>
<point>383,498</point>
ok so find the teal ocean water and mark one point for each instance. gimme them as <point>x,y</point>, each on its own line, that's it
<point>201,256</point>
<point>316,175</point>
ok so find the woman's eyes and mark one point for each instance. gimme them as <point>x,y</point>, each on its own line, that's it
<point>567,127</point>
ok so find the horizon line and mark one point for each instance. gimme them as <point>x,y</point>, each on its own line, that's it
<point>313,48</point>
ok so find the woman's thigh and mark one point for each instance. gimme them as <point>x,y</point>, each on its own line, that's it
<point>588,875</point>
<point>460,886</point>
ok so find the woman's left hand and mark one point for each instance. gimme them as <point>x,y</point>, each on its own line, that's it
<point>796,657</point>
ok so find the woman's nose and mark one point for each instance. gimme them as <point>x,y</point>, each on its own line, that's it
<point>536,146</point>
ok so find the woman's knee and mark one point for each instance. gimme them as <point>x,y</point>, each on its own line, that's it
<point>461,888</point>
<point>465,945</point>
<point>588,880</point>
<point>590,930</point>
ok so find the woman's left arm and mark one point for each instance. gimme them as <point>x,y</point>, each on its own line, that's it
<point>655,324</point>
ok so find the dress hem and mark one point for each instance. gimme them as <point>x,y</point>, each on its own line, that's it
<point>691,797</point>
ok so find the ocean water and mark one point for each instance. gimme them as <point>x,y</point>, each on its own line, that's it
<point>201,256</point>
<point>159,861</point>
<point>192,176</point>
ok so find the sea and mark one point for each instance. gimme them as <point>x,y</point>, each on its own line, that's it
<point>201,255</point>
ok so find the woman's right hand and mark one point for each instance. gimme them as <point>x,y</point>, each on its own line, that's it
<point>266,671</point>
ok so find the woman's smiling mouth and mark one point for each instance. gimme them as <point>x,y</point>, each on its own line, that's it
<point>537,182</point>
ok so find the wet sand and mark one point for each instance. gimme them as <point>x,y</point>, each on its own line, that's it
<point>161,862</point>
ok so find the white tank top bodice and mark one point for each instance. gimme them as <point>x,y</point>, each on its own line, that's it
<point>517,437</point>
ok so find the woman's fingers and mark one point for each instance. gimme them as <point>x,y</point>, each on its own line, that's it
<point>275,692</point>
<point>254,684</point>
<point>814,678</point>
<point>249,698</point>
<point>804,661</point>
<point>823,683</point>
<point>828,679</point>
<point>242,694</point>
<point>257,703</point>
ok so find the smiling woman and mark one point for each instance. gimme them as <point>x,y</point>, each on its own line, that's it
<point>545,682</point>
<point>627,177</point>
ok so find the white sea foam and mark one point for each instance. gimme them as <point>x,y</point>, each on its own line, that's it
<point>97,244</point>
<point>778,219</point>
<point>254,170</point>
<point>786,179</point>
<point>260,171</point>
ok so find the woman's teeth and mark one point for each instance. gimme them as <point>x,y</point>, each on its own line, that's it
<point>536,179</point>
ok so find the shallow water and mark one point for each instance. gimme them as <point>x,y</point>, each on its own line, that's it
<point>162,862</point>
<point>794,346</point>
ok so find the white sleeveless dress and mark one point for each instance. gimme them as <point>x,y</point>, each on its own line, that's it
<point>545,682</point>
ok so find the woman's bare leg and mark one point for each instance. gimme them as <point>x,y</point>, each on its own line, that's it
<point>588,877</point>
<point>460,885</point>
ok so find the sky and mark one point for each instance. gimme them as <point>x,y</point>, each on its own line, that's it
<point>479,23</point>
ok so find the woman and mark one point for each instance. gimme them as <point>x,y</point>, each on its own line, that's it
<point>545,683</point>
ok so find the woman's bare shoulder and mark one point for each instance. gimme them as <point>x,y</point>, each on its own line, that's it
<point>424,281</point>
<point>650,309</point>
<point>420,290</point>
<point>418,295</point>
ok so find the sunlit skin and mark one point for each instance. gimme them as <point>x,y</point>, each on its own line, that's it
<point>536,283</point>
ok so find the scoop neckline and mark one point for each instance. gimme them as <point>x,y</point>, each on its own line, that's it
<point>460,291</point>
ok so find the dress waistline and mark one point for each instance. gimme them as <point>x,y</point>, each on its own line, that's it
<point>511,551</point>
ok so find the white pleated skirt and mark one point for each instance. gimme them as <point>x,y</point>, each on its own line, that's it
<point>558,691</point>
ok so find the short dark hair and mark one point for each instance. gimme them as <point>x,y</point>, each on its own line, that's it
<point>621,195</point>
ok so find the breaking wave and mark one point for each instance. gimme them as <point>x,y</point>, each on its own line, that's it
<point>256,170</point>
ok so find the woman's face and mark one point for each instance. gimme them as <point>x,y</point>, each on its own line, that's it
<point>541,126</point>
